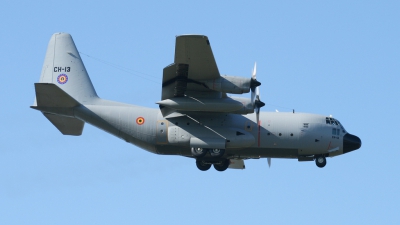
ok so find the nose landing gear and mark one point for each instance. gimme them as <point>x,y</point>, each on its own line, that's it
<point>320,161</point>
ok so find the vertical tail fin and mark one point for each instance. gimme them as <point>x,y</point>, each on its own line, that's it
<point>63,67</point>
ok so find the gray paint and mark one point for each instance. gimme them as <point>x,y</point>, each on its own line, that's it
<point>173,132</point>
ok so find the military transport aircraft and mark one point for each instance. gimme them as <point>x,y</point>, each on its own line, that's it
<point>195,117</point>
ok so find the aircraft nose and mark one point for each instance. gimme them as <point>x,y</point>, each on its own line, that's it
<point>350,143</point>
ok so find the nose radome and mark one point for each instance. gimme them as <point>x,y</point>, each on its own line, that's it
<point>350,143</point>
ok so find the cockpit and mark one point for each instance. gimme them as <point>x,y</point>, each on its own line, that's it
<point>334,122</point>
<point>350,142</point>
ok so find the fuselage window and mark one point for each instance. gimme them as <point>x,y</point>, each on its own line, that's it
<point>334,131</point>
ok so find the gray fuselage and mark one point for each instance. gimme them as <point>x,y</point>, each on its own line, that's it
<point>278,135</point>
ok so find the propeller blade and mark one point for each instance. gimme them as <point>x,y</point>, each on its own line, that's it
<point>254,74</point>
<point>269,162</point>
<point>253,97</point>
<point>253,82</point>
<point>255,92</point>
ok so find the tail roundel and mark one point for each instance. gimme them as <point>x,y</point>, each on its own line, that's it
<point>63,67</point>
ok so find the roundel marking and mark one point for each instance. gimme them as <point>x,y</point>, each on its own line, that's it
<point>140,120</point>
<point>62,78</point>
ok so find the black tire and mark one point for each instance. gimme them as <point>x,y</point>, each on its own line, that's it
<point>320,161</point>
<point>216,152</point>
<point>223,165</point>
<point>202,165</point>
<point>199,152</point>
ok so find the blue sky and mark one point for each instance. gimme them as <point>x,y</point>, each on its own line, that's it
<point>335,58</point>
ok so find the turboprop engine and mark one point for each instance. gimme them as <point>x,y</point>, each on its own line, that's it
<point>234,105</point>
<point>225,84</point>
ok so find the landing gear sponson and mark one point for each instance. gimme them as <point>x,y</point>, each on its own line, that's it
<point>204,163</point>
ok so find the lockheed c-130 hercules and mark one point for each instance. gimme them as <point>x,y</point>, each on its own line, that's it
<point>195,118</point>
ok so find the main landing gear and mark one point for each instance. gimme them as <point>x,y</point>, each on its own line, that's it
<point>219,165</point>
<point>320,161</point>
<point>201,152</point>
<point>215,158</point>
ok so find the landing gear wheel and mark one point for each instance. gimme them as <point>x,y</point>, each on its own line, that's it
<point>202,165</point>
<point>198,152</point>
<point>216,152</point>
<point>223,165</point>
<point>320,161</point>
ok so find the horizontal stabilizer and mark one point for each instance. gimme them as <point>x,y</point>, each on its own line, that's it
<point>66,125</point>
<point>58,107</point>
<point>50,95</point>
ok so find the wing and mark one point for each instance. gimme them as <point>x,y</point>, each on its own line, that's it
<point>195,52</point>
<point>193,83</point>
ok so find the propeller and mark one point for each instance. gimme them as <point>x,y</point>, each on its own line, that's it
<point>255,92</point>
<point>255,97</point>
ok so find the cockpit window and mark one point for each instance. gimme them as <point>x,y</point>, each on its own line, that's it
<point>332,121</point>
<point>327,121</point>
<point>341,126</point>
<point>344,131</point>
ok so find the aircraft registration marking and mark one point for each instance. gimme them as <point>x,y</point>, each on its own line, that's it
<point>140,120</point>
<point>62,78</point>
<point>62,69</point>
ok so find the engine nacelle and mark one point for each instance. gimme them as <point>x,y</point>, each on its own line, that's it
<point>229,84</point>
<point>247,106</point>
<point>236,105</point>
